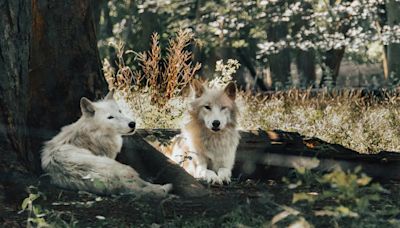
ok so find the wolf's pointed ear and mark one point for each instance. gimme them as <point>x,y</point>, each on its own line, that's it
<point>87,107</point>
<point>230,90</point>
<point>197,88</point>
<point>110,95</point>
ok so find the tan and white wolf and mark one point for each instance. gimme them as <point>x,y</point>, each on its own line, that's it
<point>207,145</point>
<point>82,156</point>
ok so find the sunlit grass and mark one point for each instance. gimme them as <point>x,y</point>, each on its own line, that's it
<point>362,123</point>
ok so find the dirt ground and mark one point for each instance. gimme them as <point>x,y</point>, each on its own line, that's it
<point>224,203</point>
<point>244,203</point>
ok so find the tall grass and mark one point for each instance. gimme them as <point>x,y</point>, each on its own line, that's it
<point>152,92</point>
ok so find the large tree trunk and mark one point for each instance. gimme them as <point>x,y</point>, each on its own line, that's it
<point>393,50</point>
<point>65,66</point>
<point>15,17</point>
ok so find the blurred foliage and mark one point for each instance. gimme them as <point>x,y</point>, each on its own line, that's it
<point>252,31</point>
<point>344,198</point>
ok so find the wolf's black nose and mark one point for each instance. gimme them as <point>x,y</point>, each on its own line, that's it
<point>216,123</point>
<point>132,124</point>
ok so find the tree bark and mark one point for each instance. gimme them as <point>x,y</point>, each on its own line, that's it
<point>15,151</point>
<point>393,50</point>
<point>15,17</point>
<point>64,67</point>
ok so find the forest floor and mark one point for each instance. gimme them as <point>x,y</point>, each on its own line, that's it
<point>288,198</point>
<point>240,204</point>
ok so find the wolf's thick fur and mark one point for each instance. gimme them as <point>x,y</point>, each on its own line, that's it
<point>207,145</point>
<point>82,156</point>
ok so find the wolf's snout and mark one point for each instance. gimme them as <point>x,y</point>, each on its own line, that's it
<point>132,124</point>
<point>216,123</point>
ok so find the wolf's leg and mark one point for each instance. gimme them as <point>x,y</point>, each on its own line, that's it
<point>79,169</point>
<point>133,183</point>
<point>225,167</point>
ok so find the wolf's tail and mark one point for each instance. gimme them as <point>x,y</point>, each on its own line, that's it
<point>75,168</point>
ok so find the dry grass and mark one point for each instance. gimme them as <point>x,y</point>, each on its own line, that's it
<point>164,78</point>
<point>152,91</point>
<point>362,122</point>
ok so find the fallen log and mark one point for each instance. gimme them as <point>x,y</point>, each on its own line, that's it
<point>153,165</point>
<point>260,153</point>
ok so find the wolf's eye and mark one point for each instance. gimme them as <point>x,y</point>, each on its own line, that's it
<point>223,107</point>
<point>207,107</point>
<point>110,117</point>
<point>119,111</point>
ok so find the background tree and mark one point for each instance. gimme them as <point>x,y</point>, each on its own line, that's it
<point>393,50</point>
<point>319,35</point>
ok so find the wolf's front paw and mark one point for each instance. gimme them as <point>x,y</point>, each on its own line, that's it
<point>210,177</point>
<point>225,175</point>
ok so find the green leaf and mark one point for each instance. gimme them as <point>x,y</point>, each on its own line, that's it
<point>365,180</point>
<point>303,196</point>
<point>25,203</point>
<point>345,211</point>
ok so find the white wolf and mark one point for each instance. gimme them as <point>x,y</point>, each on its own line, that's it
<point>207,145</point>
<point>81,156</point>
